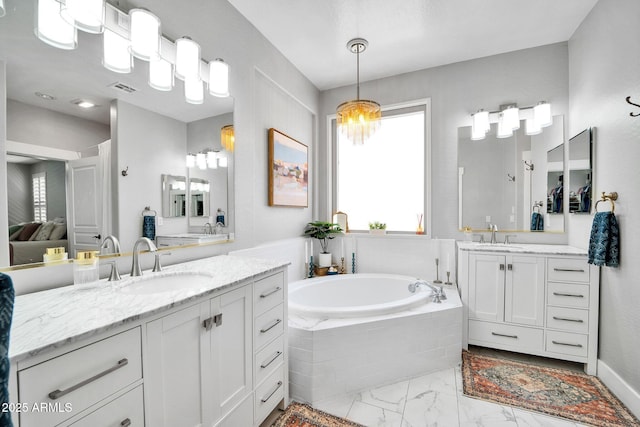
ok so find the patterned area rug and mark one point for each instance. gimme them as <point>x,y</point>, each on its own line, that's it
<point>299,415</point>
<point>559,392</point>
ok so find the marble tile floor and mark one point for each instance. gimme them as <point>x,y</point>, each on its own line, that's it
<point>434,400</point>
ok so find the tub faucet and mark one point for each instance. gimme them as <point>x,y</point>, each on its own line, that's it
<point>135,266</point>
<point>438,293</point>
<point>494,229</point>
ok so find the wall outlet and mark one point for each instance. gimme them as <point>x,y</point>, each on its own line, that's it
<point>160,220</point>
<point>488,218</point>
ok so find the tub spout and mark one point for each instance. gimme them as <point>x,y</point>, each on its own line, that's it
<point>437,292</point>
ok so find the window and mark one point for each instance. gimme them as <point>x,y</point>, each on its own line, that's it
<point>39,182</point>
<point>384,179</point>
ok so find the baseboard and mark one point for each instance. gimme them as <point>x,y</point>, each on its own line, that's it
<point>620,388</point>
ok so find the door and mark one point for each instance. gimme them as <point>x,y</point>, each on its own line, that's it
<point>486,287</point>
<point>84,201</point>
<point>177,359</point>
<point>524,290</point>
<point>231,347</point>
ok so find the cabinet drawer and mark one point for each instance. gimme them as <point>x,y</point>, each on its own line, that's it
<point>81,377</point>
<point>506,336</point>
<point>568,295</point>
<point>566,343</point>
<point>129,407</point>
<point>268,326</point>
<point>241,415</point>
<point>567,270</point>
<point>269,394</point>
<point>268,292</point>
<point>568,319</point>
<point>267,359</point>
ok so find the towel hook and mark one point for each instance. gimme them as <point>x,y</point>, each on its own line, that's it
<point>633,103</point>
<point>611,197</point>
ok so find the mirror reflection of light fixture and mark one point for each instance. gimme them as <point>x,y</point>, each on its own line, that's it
<point>52,29</point>
<point>542,114</point>
<point>511,117</point>
<point>218,78</point>
<point>532,127</point>
<point>85,15</point>
<point>144,34</point>
<point>187,59</point>
<point>223,162</point>
<point>194,90</point>
<point>201,161</point>
<point>161,75</point>
<point>360,118</point>
<point>480,125</point>
<point>212,160</point>
<point>227,138</point>
<point>116,56</point>
<point>191,160</point>
<point>504,128</point>
<point>2,9</point>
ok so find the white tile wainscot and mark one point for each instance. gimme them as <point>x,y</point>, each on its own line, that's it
<point>186,357</point>
<point>334,357</point>
<point>534,299</point>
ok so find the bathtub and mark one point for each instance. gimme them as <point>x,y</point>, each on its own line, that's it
<point>357,331</point>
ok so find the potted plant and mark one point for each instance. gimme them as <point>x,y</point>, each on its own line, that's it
<point>323,231</point>
<point>378,228</point>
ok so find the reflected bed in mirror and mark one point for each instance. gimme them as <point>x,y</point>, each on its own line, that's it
<point>58,127</point>
<point>503,181</point>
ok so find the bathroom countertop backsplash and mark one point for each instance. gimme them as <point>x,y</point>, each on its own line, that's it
<point>523,248</point>
<point>49,319</point>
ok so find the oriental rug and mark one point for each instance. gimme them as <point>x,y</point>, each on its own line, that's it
<point>299,415</point>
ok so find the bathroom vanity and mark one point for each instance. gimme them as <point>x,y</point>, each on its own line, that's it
<point>201,343</point>
<point>535,299</point>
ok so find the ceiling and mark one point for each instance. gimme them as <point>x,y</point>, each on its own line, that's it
<point>405,35</point>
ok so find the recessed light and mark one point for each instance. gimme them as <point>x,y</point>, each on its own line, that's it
<point>45,96</point>
<point>83,103</point>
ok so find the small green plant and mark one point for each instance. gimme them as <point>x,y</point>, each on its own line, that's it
<point>323,231</point>
<point>377,226</point>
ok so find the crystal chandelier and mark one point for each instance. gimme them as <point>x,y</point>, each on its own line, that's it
<point>360,118</point>
<point>227,138</point>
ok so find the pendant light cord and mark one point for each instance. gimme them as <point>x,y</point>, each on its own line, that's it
<point>358,47</point>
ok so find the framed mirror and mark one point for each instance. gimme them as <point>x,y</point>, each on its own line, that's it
<point>580,172</point>
<point>174,196</point>
<point>504,181</point>
<point>555,180</point>
<point>45,123</point>
<point>199,200</point>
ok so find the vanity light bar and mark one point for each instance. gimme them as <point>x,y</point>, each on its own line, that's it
<point>536,117</point>
<point>140,30</point>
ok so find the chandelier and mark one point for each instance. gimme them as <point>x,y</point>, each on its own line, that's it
<point>360,118</point>
<point>227,138</point>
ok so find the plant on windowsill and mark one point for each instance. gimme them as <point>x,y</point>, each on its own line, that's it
<point>323,231</point>
<point>377,228</point>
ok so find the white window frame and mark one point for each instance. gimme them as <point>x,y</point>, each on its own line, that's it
<point>332,181</point>
<point>39,180</point>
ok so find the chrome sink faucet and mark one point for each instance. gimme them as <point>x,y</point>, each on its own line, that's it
<point>135,266</point>
<point>494,229</point>
<point>207,229</point>
<point>438,293</point>
<point>219,227</point>
<point>114,276</point>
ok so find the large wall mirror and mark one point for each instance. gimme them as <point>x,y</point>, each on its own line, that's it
<point>504,181</point>
<point>131,137</point>
<point>580,173</point>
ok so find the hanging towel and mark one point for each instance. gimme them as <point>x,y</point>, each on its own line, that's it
<point>7,296</point>
<point>537,222</point>
<point>149,226</point>
<point>604,245</point>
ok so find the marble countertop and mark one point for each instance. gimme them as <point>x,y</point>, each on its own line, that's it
<point>522,248</point>
<point>50,319</point>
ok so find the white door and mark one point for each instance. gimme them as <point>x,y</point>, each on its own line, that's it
<point>231,351</point>
<point>524,290</point>
<point>84,205</point>
<point>486,287</point>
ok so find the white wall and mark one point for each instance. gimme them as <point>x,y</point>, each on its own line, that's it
<point>604,64</point>
<point>4,209</point>
<point>456,91</point>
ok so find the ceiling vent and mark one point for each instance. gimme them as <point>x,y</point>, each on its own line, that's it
<point>123,87</point>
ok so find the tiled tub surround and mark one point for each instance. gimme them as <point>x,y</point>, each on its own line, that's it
<point>68,337</point>
<point>333,357</point>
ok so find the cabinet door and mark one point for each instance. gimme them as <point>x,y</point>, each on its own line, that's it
<point>177,354</point>
<point>524,290</point>
<point>231,351</point>
<point>486,287</point>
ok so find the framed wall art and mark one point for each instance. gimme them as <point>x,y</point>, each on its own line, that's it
<point>288,171</point>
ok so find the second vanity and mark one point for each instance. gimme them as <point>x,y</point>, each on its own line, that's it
<point>212,352</point>
<point>535,299</point>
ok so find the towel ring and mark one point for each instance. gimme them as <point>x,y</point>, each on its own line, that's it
<point>608,197</point>
<point>148,209</point>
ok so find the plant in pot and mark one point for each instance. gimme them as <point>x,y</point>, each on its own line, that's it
<point>323,231</point>
<point>377,228</point>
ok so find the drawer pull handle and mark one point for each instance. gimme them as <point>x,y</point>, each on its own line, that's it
<point>562,294</point>
<point>275,356</point>
<point>504,335</point>
<point>571,270</point>
<point>271,292</point>
<point>271,326</point>
<point>264,399</point>
<point>568,319</point>
<point>501,267</point>
<point>566,343</point>
<point>126,422</point>
<point>59,393</point>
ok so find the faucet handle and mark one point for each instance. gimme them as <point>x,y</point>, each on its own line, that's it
<point>481,237</point>
<point>114,275</point>
<point>507,238</point>
<point>157,267</point>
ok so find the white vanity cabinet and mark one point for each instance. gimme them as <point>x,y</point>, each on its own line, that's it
<point>198,361</point>
<point>542,303</point>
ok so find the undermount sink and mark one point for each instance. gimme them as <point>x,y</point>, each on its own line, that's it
<point>153,284</point>
<point>497,246</point>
